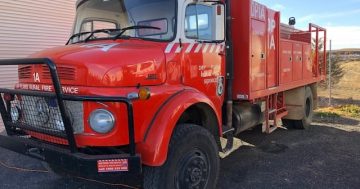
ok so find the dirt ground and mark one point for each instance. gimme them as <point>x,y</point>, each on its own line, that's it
<point>325,156</point>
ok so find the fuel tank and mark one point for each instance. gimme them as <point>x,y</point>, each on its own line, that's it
<point>246,116</point>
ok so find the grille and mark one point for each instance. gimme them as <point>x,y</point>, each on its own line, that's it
<point>42,114</point>
<point>64,72</point>
<point>25,72</point>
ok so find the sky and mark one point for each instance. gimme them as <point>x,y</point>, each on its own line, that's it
<point>341,18</point>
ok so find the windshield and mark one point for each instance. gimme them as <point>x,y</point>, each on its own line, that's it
<point>95,15</point>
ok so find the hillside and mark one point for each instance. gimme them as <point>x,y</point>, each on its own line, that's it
<point>349,85</point>
<point>350,50</point>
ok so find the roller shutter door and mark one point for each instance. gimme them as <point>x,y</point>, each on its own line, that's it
<point>28,26</point>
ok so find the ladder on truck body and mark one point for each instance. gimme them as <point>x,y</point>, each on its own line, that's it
<point>275,110</point>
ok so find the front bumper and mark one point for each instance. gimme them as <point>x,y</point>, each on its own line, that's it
<point>73,163</point>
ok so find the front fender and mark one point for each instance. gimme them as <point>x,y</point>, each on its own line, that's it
<point>154,147</point>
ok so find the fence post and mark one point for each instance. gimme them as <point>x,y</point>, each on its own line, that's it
<point>330,90</point>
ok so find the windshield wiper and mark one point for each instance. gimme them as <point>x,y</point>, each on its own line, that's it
<point>137,27</point>
<point>108,31</point>
<point>76,35</point>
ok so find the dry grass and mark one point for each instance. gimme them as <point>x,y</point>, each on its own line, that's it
<point>344,110</point>
<point>349,85</point>
<point>346,93</point>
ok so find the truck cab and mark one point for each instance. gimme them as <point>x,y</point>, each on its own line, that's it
<point>145,87</point>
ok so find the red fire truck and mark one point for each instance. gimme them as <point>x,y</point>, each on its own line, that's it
<point>149,87</point>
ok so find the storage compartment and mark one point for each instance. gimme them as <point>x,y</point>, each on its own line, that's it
<point>297,62</point>
<point>258,56</point>
<point>269,57</point>
<point>286,66</point>
<point>272,60</point>
<point>307,63</point>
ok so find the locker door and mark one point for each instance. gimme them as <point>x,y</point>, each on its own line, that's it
<point>258,55</point>
<point>286,62</point>
<point>308,65</point>
<point>297,62</point>
<point>272,48</point>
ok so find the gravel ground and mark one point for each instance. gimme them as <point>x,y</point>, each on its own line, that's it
<point>325,156</point>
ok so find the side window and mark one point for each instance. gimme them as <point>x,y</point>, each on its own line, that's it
<point>103,25</point>
<point>92,25</point>
<point>86,27</point>
<point>162,24</point>
<point>198,22</point>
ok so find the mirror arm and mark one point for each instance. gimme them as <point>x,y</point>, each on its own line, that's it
<point>215,2</point>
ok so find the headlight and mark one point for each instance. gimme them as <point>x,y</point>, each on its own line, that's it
<point>15,113</point>
<point>102,121</point>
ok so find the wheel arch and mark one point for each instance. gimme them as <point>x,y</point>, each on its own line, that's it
<point>201,114</point>
<point>154,147</point>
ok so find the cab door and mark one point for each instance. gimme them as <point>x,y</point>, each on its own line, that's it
<point>203,35</point>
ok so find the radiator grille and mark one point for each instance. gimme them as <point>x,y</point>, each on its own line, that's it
<point>25,72</point>
<point>42,114</point>
<point>64,72</point>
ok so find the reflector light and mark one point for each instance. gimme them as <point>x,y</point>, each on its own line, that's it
<point>144,94</point>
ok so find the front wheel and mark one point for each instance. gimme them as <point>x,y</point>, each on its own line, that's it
<point>192,161</point>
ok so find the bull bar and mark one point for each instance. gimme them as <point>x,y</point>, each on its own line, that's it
<point>67,157</point>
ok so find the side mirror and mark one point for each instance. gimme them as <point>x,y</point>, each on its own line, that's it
<point>292,21</point>
<point>219,22</point>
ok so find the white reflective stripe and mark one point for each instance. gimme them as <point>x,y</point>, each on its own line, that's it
<point>205,48</point>
<point>198,48</point>
<point>212,48</point>
<point>190,47</point>
<point>218,48</point>
<point>169,47</point>
<point>178,50</point>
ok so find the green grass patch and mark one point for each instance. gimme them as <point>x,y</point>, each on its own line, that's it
<point>344,110</point>
<point>327,114</point>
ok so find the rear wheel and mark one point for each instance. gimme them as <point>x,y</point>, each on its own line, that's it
<point>306,121</point>
<point>192,162</point>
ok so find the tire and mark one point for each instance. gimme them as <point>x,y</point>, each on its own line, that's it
<point>192,161</point>
<point>306,121</point>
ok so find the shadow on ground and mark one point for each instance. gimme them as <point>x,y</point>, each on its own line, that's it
<point>337,120</point>
<point>324,101</point>
<point>321,157</point>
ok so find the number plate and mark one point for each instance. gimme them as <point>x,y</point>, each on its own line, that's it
<point>115,165</point>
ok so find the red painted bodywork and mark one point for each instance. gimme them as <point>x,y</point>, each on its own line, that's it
<point>180,76</point>
<point>289,61</point>
<point>118,72</point>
